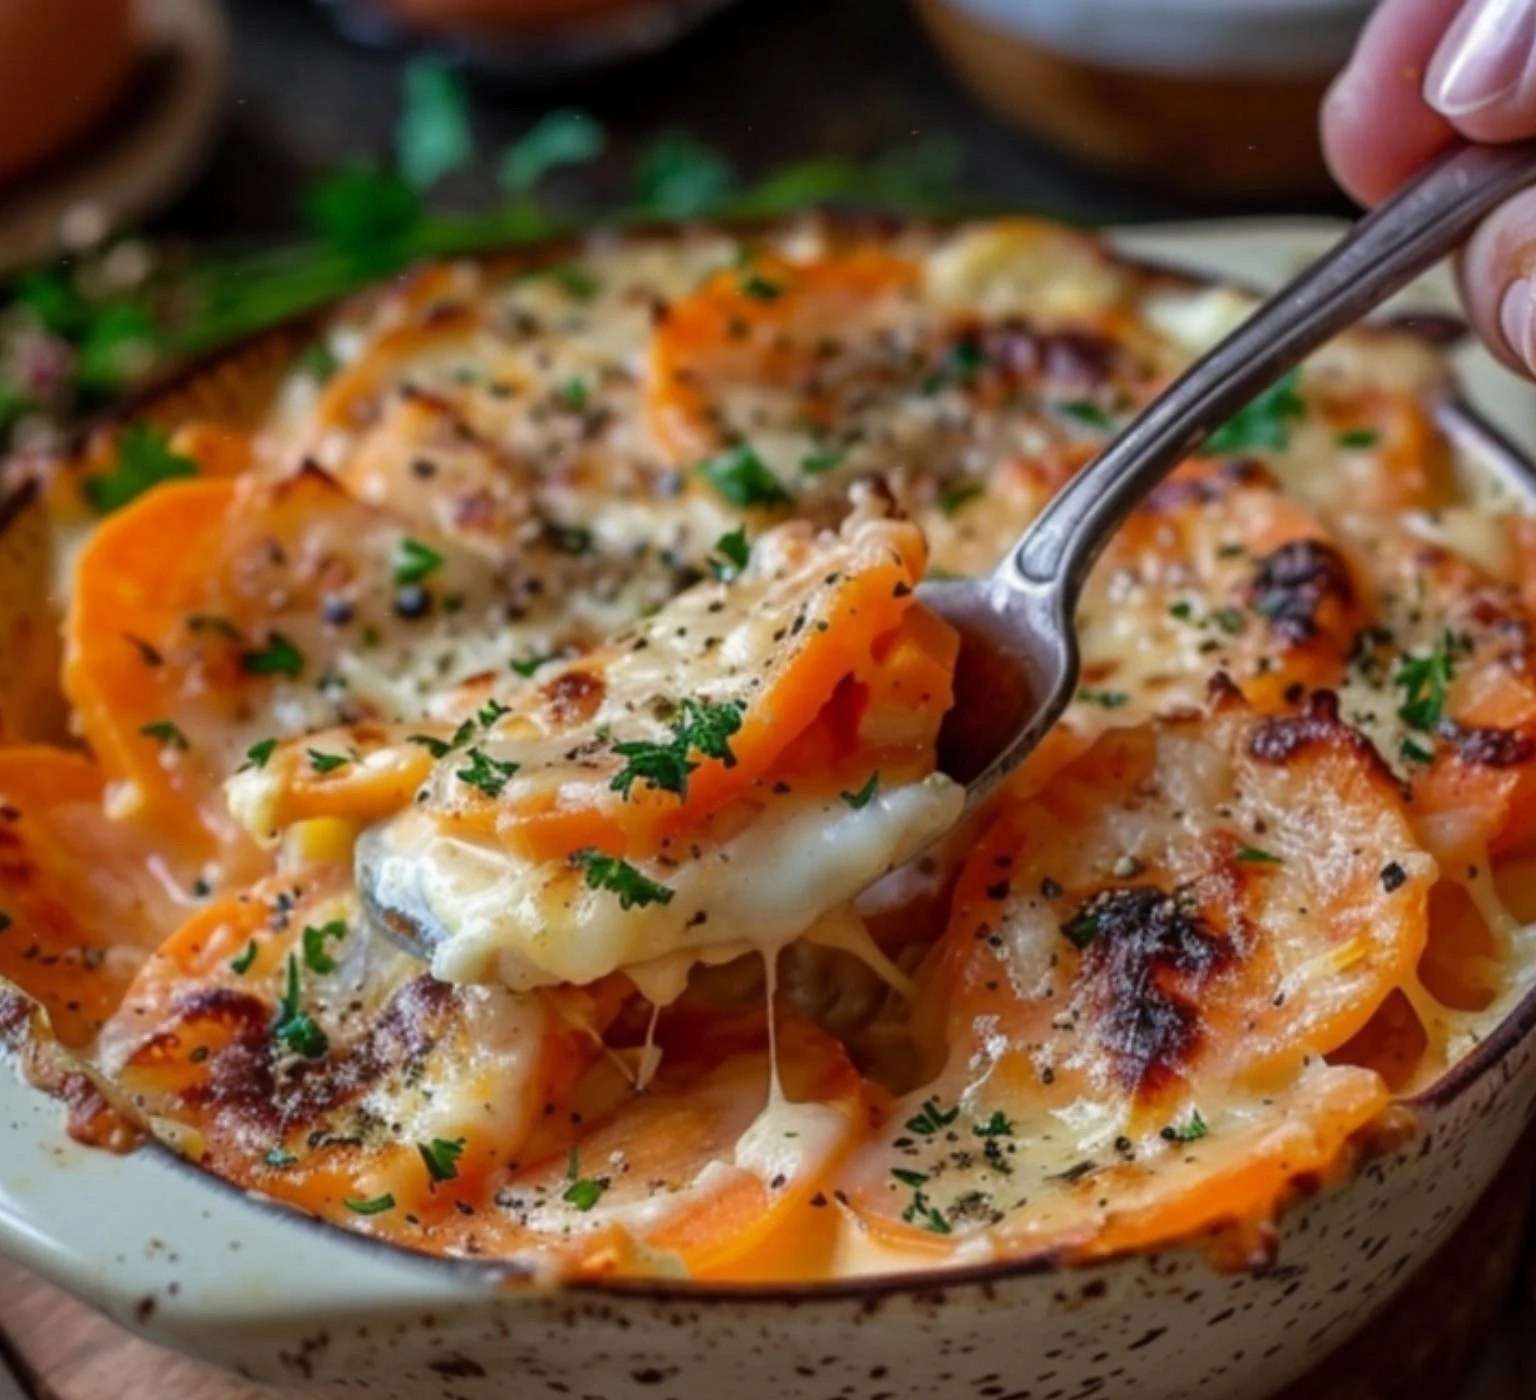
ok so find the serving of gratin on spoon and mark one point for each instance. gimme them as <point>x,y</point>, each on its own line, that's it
<point>1017,663</point>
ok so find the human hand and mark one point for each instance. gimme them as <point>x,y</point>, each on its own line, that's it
<point>1423,73</point>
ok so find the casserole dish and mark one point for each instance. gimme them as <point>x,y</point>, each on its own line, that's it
<point>1129,1319</point>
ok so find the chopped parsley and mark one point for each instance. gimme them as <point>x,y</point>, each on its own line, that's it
<point>294,1027</point>
<point>441,1158</point>
<point>701,728</point>
<point>815,463</point>
<point>326,762</point>
<point>951,502</point>
<point>567,136</point>
<point>919,1211</point>
<point>735,551</point>
<point>144,459</point>
<point>1415,752</point>
<point>584,1192</point>
<point>1358,437</point>
<point>1081,929</point>
<point>930,1118</point>
<point>278,658</point>
<point>371,1207</point>
<point>760,288</point>
<point>1426,682</point>
<point>1083,411</point>
<point>433,138</point>
<point>573,395</point>
<point>490,712</point>
<point>998,1125</point>
<point>1192,1129</point>
<point>1105,699</point>
<point>1266,422</point>
<point>257,755</point>
<point>415,561</point>
<point>529,664</point>
<point>743,479</point>
<point>242,964</point>
<point>1254,856</point>
<point>438,748</point>
<point>167,732</point>
<point>318,361</point>
<point>864,796</point>
<point>488,774</point>
<point>314,937</point>
<point>619,877</point>
<point>1230,620</point>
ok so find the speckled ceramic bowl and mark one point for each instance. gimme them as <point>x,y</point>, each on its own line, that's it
<point>193,1263</point>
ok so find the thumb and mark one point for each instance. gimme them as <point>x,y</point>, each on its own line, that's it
<point>1482,78</point>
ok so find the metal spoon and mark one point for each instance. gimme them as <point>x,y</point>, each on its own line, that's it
<point>1018,665</point>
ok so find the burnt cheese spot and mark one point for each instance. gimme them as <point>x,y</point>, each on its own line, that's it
<point>1281,739</point>
<point>1292,585</point>
<point>573,696</point>
<point>1144,967</point>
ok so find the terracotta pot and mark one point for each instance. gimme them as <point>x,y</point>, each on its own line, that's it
<point>62,63</point>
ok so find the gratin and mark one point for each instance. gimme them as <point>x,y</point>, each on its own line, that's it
<point>587,585</point>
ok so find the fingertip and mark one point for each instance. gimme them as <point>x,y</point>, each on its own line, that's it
<point>1497,273</point>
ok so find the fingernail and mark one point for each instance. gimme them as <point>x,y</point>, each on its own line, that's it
<point>1486,59</point>
<point>1517,319</point>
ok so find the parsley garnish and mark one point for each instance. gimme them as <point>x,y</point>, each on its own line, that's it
<point>433,138</point>
<point>743,479</point>
<point>1426,682</point>
<point>529,664</point>
<point>441,1156</point>
<point>414,561</point>
<point>864,796</point>
<point>1254,856</point>
<point>373,1207</point>
<point>919,1211</point>
<point>490,712</point>
<point>1266,422</point>
<point>488,774</point>
<point>560,138</point>
<point>316,959</point>
<point>326,762</point>
<point>1230,620</point>
<point>951,501</point>
<point>1081,929</point>
<point>317,361</point>
<point>295,1027</point>
<point>573,395</point>
<point>1415,752</point>
<point>242,964</point>
<point>815,463</point>
<point>167,732</point>
<point>257,755</point>
<point>930,1118</point>
<point>998,1125</point>
<point>1084,411</point>
<point>278,658</point>
<point>144,459</point>
<point>1105,699</point>
<point>584,1192</point>
<point>702,727</point>
<point>1191,1130</point>
<point>1358,437</point>
<point>736,552</point>
<point>760,288</point>
<point>619,877</point>
<point>438,748</point>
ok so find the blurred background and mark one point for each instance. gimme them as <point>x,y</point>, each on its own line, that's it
<point>175,173</point>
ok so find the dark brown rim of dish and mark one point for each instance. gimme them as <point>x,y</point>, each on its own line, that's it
<point>1467,429</point>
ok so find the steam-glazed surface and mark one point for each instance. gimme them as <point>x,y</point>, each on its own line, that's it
<point>589,588</point>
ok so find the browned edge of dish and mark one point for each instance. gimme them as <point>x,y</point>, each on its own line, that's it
<point>1461,422</point>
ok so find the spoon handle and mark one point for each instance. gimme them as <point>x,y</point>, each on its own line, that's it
<point>1429,217</point>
